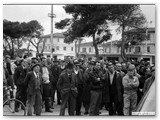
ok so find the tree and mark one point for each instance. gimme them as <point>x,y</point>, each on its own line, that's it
<point>87,20</point>
<point>12,36</point>
<point>15,33</point>
<point>34,31</point>
<point>128,17</point>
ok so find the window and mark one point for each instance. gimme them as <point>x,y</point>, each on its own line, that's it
<point>90,49</point>
<point>117,49</point>
<point>71,48</point>
<point>45,47</point>
<point>57,47</point>
<point>127,50</point>
<point>137,49</point>
<point>149,37</point>
<point>49,47</point>
<point>45,40</point>
<point>130,49</point>
<point>148,49</point>
<point>83,49</point>
<point>64,48</point>
<point>57,39</point>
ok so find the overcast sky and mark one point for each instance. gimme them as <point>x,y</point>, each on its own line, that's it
<point>26,13</point>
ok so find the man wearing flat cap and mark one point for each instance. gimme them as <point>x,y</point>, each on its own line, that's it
<point>67,85</point>
<point>130,84</point>
<point>33,82</point>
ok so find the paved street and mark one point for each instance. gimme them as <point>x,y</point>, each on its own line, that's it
<point>55,112</point>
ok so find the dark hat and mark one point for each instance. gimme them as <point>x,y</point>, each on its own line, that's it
<point>131,67</point>
<point>55,61</point>
<point>153,69</point>
<point>92,63</point>
<point>34,58</point>
<point>62,60</point>
<point>69,65</point>
<point>7,56</point>
<point>76,62</point>
<point>37,64</point>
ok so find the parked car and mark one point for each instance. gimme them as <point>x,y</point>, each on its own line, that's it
<point>147,105</point>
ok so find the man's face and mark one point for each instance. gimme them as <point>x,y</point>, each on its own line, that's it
<point>118,67</point>
<point>36,69</point>
<point>8,60</point>
<point>44,62</point>
<point>69,71</point>
<point>111,68</point>
<point>98,65</point>
<point>130,72</point>
<point>24,63</point>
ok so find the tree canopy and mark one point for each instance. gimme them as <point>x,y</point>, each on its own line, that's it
<point>15,33</point>
<point>93,20</point>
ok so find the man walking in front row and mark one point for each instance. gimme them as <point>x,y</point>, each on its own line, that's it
<point>33,82</point>
<point>67,85</point>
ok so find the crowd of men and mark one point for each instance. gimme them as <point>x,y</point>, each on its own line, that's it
<point>116,86</point>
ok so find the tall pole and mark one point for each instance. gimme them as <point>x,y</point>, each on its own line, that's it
<point>52,16</point>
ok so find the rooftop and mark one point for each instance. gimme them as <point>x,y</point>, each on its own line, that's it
<point>59,35</point>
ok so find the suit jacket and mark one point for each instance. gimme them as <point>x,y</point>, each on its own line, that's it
<point>119,87</point>
<point>19,76</point>
<point>30,83</point>
<point>65,85</point>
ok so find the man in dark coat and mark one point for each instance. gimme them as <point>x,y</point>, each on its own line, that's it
<point>87,86</point>
<point>80,87</point>
<point>19,76</point>
<point>67,85</point>
<point>113,90</point>
<point>55,72</point>
<point>96,90</point>
<point>33,82</point>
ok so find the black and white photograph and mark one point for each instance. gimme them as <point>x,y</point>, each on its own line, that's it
<point>79,59</point>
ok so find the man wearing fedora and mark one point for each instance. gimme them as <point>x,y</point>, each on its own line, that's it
<point>33,82</point>
<point>67,85</point>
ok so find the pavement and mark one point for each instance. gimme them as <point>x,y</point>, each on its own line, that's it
<point>55,112</point>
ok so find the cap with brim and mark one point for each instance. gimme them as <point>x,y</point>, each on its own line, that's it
<point>69,66</point>
<point>34,58</point>
<point>131,67</point>
<point>153,69</point>
<point>37,64</point>
<point>91,63</point>
<point>7,56</point>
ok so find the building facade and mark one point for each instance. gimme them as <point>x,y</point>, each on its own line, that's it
<point>60,50</point>
<point>146,50</point>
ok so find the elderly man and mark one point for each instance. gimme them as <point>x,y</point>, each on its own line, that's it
<point>130,84</point>
<point>33,82</point>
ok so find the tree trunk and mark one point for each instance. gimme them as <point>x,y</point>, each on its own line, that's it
<point>43,47</point>
<point>96,47</point>
<point>28,48</point>
<point>123,55</point>
<point>12,50</point>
